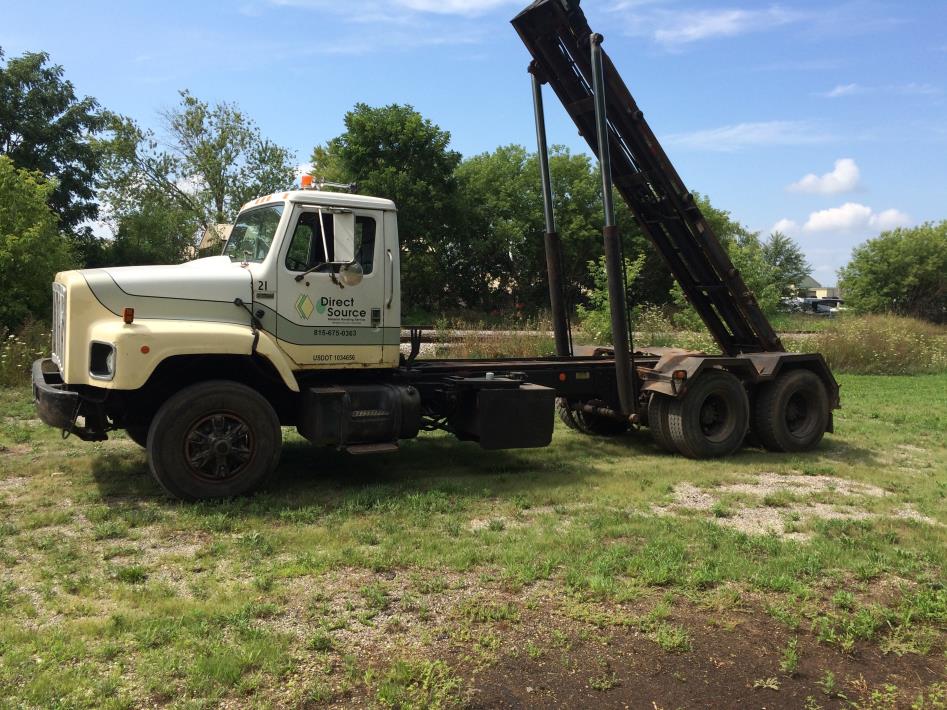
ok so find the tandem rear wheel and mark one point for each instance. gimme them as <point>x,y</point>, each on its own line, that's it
<point>216,439</point>
<point>791,412</point>
<point>591,424</point>
<point>713,418</point>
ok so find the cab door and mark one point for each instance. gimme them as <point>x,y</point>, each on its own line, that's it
<point>327,318</point>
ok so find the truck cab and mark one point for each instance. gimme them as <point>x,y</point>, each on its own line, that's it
<point>308,283</point>
<point>324,275</point>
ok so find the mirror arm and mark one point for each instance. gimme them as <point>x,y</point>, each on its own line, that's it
<point>304,274</point>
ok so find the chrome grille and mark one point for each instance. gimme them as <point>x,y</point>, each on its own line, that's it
<point>59,323</point>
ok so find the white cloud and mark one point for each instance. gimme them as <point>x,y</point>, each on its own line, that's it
<point>747,135</point>
<point>455,7</point>
<point>844,90</point>
<point>889,219</point>
<point>398,10</point>
<point>371,26</point>
<point>915,89</point>
<point>910,89</point>
<point>843,178</point>
<point>785,226</point>
<point>852,217</point>
<point>677,27</point>
<point>683,27</point>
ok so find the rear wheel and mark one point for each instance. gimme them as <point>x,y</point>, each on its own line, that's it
<point>711,420</point>
<point>214,440</point>
<point>658,407</point>
<point>792,412</point>
<point>591,424</point>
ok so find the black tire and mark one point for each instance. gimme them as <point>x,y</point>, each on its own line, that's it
<point>139,434</point>
<point>565,413</point>
<point>791,413</point>
<point>658,407</point>
<point>712,418</point>
<point>590,424</point>
<point>216,439</point>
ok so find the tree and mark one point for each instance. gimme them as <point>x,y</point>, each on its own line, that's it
<point>31,248</point>
<point>394,152</point>
<point>499,252</point>
<point>903,271</point>
<point>159,232</point>
<point>224,155</point>
<point>788,262</point>
<point>596,317</point>
<point>497,222</point>
<point>45,127</point>
<point>747,254</point>
<point>161,196</point>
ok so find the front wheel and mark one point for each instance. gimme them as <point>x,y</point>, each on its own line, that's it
<point>214,440</point>
<point>139,434</point>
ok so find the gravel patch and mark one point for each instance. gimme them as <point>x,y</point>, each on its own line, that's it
<point>798,484</point>
<point>783,520</point>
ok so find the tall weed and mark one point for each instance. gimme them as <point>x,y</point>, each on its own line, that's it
<point>19,349</point>
<point>477,340</point>
<point>878,345</point>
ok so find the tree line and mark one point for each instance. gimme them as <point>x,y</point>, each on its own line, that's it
<point>471,228</point>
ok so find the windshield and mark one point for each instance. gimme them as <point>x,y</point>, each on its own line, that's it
<point>252,235</point>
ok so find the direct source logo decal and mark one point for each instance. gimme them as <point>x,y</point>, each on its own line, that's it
<point>341,310</point>
<point>305,308</point>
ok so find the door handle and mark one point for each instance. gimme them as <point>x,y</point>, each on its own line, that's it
<point>391,278</point>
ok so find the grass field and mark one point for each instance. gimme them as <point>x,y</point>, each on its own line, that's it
<point>595,572</point>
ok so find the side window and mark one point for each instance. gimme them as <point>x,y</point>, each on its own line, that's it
<point>297,258</point>
<point>365,243</point>
<point>307,249</point>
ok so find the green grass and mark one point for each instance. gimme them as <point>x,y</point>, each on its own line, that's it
<point>365,581</point>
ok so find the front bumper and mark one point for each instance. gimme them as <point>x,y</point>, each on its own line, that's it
<point>62,408</point>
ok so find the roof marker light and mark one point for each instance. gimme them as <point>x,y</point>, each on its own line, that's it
<point>128,315</point>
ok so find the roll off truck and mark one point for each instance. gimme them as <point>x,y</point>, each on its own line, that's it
<point>298,323</point>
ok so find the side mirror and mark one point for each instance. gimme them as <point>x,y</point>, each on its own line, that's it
<point>351,274</point>
<point>343,230</point>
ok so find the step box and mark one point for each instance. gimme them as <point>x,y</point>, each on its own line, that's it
<point>359,414</point>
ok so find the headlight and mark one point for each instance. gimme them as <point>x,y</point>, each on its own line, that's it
<point>102,361</point>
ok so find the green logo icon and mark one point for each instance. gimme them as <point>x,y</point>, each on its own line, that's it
<point>304,307</point>
<point>321,306</point>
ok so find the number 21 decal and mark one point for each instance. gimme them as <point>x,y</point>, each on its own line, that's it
<point>262,286</point>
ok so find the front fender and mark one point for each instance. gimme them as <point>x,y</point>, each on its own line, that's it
<point>142,345</point>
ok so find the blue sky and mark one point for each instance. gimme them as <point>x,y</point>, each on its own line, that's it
<point>827,118</point>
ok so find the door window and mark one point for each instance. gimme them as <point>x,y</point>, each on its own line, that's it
<point>307,249</point>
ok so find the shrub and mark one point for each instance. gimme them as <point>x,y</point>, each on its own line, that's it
<point>596,317</point>
<point>903,271</point>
